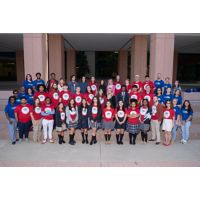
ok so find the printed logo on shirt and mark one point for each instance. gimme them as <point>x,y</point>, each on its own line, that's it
<point>37,110</point>
<point>101,100</point>
<point>133,96</point>
<point>25,110</point>
<point>13,108</point>
<point>145,86</point>
<point>41,97</point>
<point>143,111</point>
<point>166,114</point>
<point>154,111</point>
<point>78,99</point>
<point>47,110</point>
<point>65,96</point>
<point>55,95</point>
<point>91,96</point>
<point>148,98</point>
<point>84,111</point>
<point>120,113</point>
<point>108,114</point>
<point>93,87</point>
<point>62,116</point>
<point>132,113</point>
<point>118,86</point>
<point>94,110</point>
<point>72,112</point>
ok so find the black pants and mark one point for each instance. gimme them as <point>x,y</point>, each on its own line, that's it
<point>24,129</point>
<point>132,138</point>
<point>144,136</point>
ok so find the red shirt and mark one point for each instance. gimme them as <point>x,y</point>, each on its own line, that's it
<point>23,113</point>
<point>94,87</point>
<point>72,113</point>
<point>78,98</point>
<point>46,109</point>
<point>139,84</point>
<point>168,113</point>
<point>120,113</point>
<point>94,111</point>
<point>149,97</point>
<point>88,97</point>
<point>150,83</point>
<point>54,95</point>
<point>51,82</point>
<point>42,96</point>
<point>118,86</point>
<point>65,97</point>
<point>108,114</point>
<point>132,111</point>
<point>37,113</point>
<point>135,95</point>
<point>128,88</point>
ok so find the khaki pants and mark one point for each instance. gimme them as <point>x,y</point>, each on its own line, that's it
<point>155,128</point>
<point>37,126</point>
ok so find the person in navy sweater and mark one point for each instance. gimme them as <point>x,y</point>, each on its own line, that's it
<point>28,83</point>
<point>186,114</point>
<point>38,81</point>
<point>10,116</point>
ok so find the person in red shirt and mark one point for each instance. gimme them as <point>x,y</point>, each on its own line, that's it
<point>94,86</point>
<point>36,120</point>
<point>88,95</point>
<point>134,94</point>
<point>23,118</point>
<point>118,85</point>
<point>54,95</point>
<point>138,83</point>
<point>41,94</point>
<point>51,81</point>
<point>108,118</point>
<point>133,122</point>
<point>78,96</point>
<point>48,112</point>
<point>128,85</point>
<point>65,96</point>
<point>148,82</point>
<point>168,122</point>
<point>95,116</point>
<point>147,94</point>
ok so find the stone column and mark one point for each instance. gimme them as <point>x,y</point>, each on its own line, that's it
<point>36,54</point>
<point>139,56</point>
<point>56,55</point>
<point>71,63</point>
<point>91,61</point>
<point>175,67</point>
<point>123,64</point>
<point>161,55</point>
<point>20,66</point>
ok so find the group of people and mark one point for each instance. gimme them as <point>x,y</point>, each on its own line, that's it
<point>136,107</point>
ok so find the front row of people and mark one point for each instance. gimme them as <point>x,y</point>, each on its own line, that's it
<point>134,120</point>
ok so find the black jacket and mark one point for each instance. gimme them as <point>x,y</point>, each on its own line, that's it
<point>58,120</point>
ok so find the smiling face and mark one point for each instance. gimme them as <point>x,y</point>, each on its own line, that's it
<point>108,104</point>
<point>121,103</point>
<point>88,89</point>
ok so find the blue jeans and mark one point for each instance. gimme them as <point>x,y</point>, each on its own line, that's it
<point>186,130</point>
<point>12,129</point>
<point>174,130</point>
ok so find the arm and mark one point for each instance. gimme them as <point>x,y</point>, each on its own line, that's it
<point>8,118</point>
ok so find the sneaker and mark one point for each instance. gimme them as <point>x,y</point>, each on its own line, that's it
<point>13,142</point>
<point>44,141</point>
<point>51,141</point>
<point>184,142</point>
<point>20,141</point>
<point>27,140</point>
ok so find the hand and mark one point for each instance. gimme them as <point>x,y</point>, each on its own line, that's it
<point>10,121</point>
<point>183,123</point>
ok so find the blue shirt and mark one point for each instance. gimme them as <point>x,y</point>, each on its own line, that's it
<point>185,113</point>
<point>37,82</point>
<point>167,97</point>
<point>83,86</point>
<point>10,109</point>
<point>72,86</point>
<point>177,111</point>
<point>159,84</point>
<point>179,99</point>
<point>28,84</point>
<point>20,95</point>
<point>161,99</point>
<point>30,99</point>
<point>167,85</point>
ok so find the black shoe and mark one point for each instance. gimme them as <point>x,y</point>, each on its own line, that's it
<point>86,141</point>
<point>86,138</point>
<point>95,139</point>
<point>63,141</point>
<point>157,143</point>
<point>13,142</point>
<point>60,139</point>
<point>83,141</point>
<point>71,142</point>
<point>152,140</point>
<point>121,142</point>
<point>17,140</point>
<point>92,141</point>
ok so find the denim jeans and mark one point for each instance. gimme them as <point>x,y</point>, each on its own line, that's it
<point>174,130</point>
<point>186,130</point>
<point>12,129</point>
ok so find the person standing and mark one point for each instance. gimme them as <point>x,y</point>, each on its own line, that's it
<point>38,81</point>
<point>41,94</point>
<point>94,86</point>
<point>159,83</point>
<point>118,85</point>
<point>123,96</point>
<point>10,116</point>
<point>28,82</point>
<point>83,85</point>
<point>23,117</point>
<point>51,81</point>
<point>65,96</point>
<point>186,115</point>
<point>156,119</point>
<point>72,84</point>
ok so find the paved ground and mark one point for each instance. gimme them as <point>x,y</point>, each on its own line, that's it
<point>100,155</point>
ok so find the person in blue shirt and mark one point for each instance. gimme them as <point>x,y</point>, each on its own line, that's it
<point>178,96</point>
<point>159,95</point>
<point>30,96</point>
<point>10,116</point>
<point>72,84</point>
<point>159,83</point>
<point>177,122</point>
<point>38,81</point>
<point>168,96</point>
<point>83,85</point>
<point>186,113</point>
<point>15,93</point>
<point>28,83</point>
<point>22,92</point>
<point>167,84</point>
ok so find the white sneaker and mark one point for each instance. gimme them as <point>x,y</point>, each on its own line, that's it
<point>20,141</point>
<point>27,140</point>
<point>184,142</point>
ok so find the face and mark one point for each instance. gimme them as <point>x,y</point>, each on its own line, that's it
<point>88,89</point>
<point>168,104</point>
<point>117,77</point>
<point>134,89</point>
<point>127,82</point>
<point>92,79</point>
<point>133,104</point>
<point>159,91</point>
<point>72,102</point>
<point>121,103</point>
<point>29,91</point>
<point>48,101</point>
<point>159,76</point>
<point>78,89</point>
<point>12,100</point>
<point>168,90</point>
<point>15,93</point>
<point>167,80</point>
<point>177,92</point>
<point>174,102</point>
<point>176,83</point>
<point>61,105</point>
<point>28,77</point>
<point>108,104</point>
<point>37,101</point>
<point>38,76</point>
<point>137,77</point>
<point>147,78</point>
<point>55,86</point>
<point>109,90</point>
<point>23,101</point>
<point>95,100</point>
<point>148,88</point>
<point>155,99</point>
<point>65,88</point>
<point>102,82</point>
<point>110,82</point>
<point>41,88</point>
<point>83,78</point>
<point>84,102</point>
<point>53,76</point>
<point>62,82</point>
<point>145,103</point>
<point>123,89</point>
<point>100,92</point>
<point>186,103</point>
<point>73,78</point>
<point>22,89</point>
